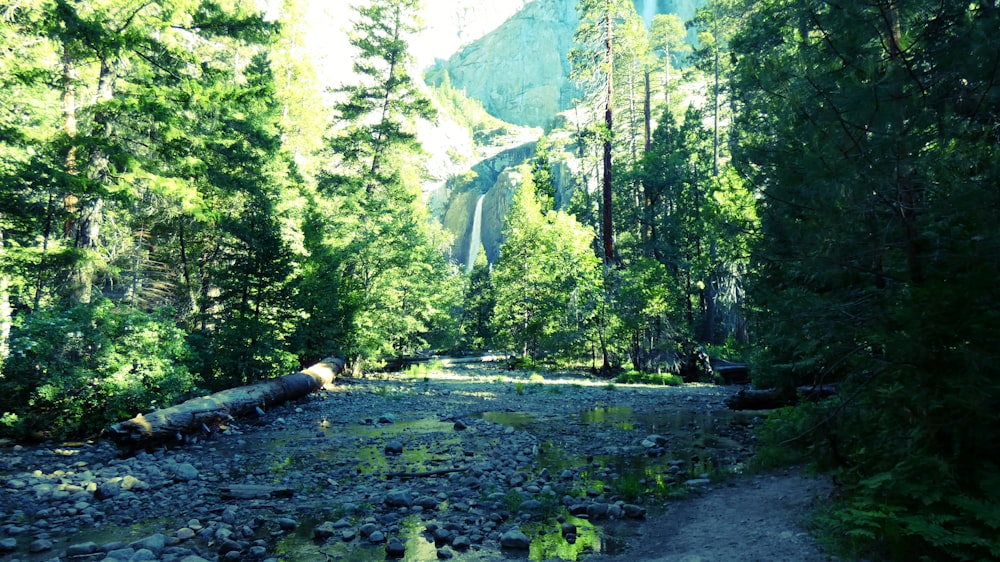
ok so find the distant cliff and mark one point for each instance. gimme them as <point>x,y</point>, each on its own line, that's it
<point>520,70</point>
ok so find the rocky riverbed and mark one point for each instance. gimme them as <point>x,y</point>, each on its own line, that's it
<point>465,462</point>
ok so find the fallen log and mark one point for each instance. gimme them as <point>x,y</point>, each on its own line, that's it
<point>202,414</point>
<point>425,474</point>
<point>771,398</point>
<point>254,492</point>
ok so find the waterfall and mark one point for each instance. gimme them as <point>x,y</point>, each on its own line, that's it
<point>475,239</point>
<point>648,11</point>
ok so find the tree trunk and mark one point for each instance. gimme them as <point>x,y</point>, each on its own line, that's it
<point>198,414</point>
<point>608,230</point>
<point>5,310</point>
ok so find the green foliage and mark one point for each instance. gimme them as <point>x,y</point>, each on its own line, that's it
<point>74,371</point>
<point>547,281</point>
<point>642,377</point>
<point>477,330</point>
<point>878,199</point>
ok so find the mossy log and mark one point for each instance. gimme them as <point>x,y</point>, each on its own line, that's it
<point>201,414</point>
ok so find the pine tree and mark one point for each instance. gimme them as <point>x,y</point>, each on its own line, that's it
<point>392,281</point>
<point>593,61</point>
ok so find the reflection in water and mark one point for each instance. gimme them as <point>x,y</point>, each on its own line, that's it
<point>517,420</point>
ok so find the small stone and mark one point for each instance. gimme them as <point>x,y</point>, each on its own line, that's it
<point>395,549</point>
<point>568,529</point>
<point>399,498</point>
<point>530,506</point>
<point>393,448</point>
<point>515,539</point>
<point>81,549</point>
<point>634,511</point>
<point>441,536</point>
<point>184,534</point>
<point>348,535</point>
<point>367,529</point>
<point>426,502</point>
<point>8,545</point>
<point>697,482</point>
<point>185,472</point>
<point>40,545</point>
<point>445,554</point>
<point>324,531</point>
<point>229,545</point>
<point>154,543</point>
<point>287,523</point>
<point>108,490</point>
<point>387,418</point>
<point>459,426</point>
<point>461,542</point>
<point>142,555</point>
<point>597,510</point>
<point>376,537</point>
<point>132,483</point>
<point>257,552</point>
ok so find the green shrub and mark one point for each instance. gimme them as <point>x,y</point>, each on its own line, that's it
<point>72,372</point>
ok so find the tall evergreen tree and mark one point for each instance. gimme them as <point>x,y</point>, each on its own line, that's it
<point>392,273</point>
<point>593,61</point>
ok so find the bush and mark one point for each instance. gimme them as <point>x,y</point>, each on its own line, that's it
<point>73,371</point>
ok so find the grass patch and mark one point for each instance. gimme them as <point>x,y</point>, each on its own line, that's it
<point>639,377</point>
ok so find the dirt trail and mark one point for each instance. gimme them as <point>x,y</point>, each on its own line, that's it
<point>752,519</point>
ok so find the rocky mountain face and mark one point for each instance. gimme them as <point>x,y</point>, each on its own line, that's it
<point>520,71</point>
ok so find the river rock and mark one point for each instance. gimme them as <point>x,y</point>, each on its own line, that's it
<point>426,502</point>
<point>399,498</point>
<point>154,543</point>
<point>393,448</point>
<point>634,511</point>
<point>40,545</point>
<point>8,545</point>
<point>107,490</point>
<point>185,472</point>
<point>697,482</point>
<point>461,542</point>
<point>395,549</point>
<point>324,531</point>
<point>514,539</point>
<point>377,537</point>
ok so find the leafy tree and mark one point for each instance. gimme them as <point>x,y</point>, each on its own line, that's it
<point>870,131</point>
<point>547,280</point>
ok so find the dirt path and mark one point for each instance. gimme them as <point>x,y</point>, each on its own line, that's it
<point>752,519</point>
